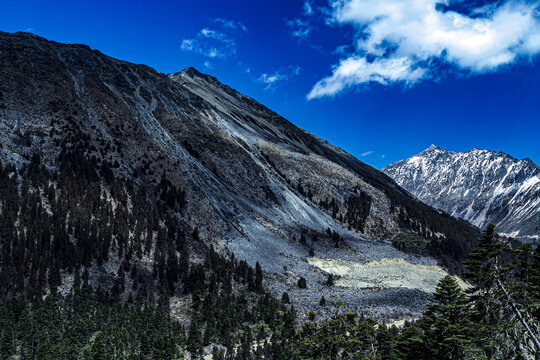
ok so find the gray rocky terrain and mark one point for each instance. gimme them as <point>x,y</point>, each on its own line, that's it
<point>257,186</point>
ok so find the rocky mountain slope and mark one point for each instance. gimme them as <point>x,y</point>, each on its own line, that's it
<point>479,186</point>
<point>253,184</point>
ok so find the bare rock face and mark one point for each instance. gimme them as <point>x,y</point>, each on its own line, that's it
<point>256,185</point>
<point>479,186</point>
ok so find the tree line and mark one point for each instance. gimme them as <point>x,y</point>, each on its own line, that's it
<point>496,318</point>
<point>60,228</point>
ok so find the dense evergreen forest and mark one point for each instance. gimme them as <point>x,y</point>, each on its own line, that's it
<point>88,264</point>
<point>496,319</point>
<point>123,253</point>
<point>449,240</point>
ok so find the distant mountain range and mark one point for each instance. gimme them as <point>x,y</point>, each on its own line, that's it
<point>480,186</point>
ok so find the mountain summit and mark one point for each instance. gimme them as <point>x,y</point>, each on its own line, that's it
<point>480,186</point>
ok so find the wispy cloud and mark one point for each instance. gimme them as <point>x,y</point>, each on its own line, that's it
<point>406,42</point>
<point>366,153</point>
<point>272,79</point>
<point>215,42</point>
<point>300,29</point>
<point>231,24</point>
<point>344,50</point>
<point>308,8</point>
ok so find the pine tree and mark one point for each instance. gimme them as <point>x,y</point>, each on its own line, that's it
<point>525,286</point>
<point>410,344</point>
<point>504,329</point>
<point>99,348</point>
<point>534,283</point>
<point>258,279</point>
<point>330,280</point>
<point>446,323</point>
<point>77,279</point>
<point>386,345</point>
<point>195,338</point>
<point>482,272</point>
<point>7,342</point>
<point>483,259</point>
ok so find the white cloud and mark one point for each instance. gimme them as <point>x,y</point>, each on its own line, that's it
<point>300,29</point>
<point>213,52</point>
<point>397,40</point>
<point>208,65</point>
<point>357,70</point>
<point>308,8</point>
<point>272,79</point>
<point>211,34</point>
<point>187,45</point>
<point>231,24</point>
<point>215,43</point>
<point>366,153</point>
<point>383,156</point>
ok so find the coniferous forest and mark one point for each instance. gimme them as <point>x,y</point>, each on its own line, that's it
<point>67,226</point>
<point>59,227</point>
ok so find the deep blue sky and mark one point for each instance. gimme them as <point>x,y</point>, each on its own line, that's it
<point>497,110</point>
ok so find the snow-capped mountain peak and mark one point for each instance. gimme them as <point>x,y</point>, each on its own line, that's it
<point>481,186</point>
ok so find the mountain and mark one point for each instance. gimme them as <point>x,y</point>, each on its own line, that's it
<point>480,186</point>
<point>233,174</point>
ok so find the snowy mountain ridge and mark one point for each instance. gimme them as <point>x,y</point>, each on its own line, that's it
<point>480,186</point>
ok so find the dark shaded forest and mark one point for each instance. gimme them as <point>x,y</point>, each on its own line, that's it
<point>451,240</point>
<point>497,318</point>
<point>109,257</point>
<point>72,225</point>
